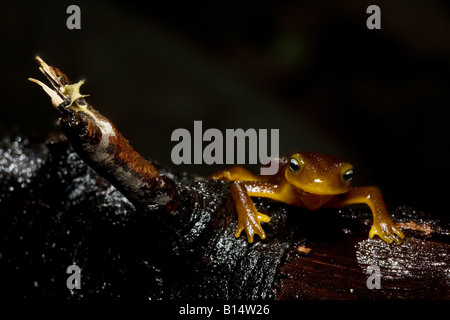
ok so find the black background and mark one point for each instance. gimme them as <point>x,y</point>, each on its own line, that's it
<point>312,69</point>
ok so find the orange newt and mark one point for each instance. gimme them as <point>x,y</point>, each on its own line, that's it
<point>305,179</point>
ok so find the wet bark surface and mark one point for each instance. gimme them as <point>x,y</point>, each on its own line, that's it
<point>55,211</point>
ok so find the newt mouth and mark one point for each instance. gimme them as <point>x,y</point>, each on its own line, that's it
<point>321,192</point>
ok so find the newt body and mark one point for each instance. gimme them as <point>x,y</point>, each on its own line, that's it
<point>305,179</point>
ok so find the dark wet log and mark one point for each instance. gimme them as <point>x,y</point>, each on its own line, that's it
<point>56,211</point>
<point>415,269</point>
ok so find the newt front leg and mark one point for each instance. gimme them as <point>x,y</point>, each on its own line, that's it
<point>249,219</point>
<point>382,226</point>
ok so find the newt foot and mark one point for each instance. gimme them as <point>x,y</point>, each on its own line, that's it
<point>251,223</point>
<point>386,231</point>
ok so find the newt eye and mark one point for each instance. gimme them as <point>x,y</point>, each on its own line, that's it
<point>294,166</point>
<point>347,176</point>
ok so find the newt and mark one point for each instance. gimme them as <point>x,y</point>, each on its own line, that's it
<point>305,179</point>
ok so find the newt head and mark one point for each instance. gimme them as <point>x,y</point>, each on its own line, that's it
<point>319,174</point>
